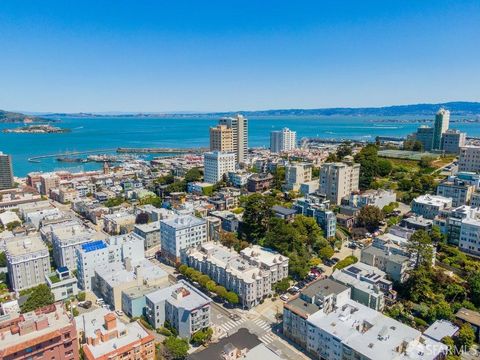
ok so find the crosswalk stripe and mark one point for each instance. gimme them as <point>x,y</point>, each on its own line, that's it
<point>267,338</point>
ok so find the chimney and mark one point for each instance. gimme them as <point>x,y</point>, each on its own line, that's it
<point>110,321</point>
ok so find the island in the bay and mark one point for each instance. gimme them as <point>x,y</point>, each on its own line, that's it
<point>37,129</point>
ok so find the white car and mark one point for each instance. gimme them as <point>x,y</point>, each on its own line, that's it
<point>119,312</point>
<point>284,297</point>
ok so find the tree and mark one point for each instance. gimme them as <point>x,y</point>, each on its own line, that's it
<point>326,252</point>
<point>220,291</point>
<point>349,260</point>
<point>466,336</point>
<point>193,174</point>
<point>368,160</point>
<point>142,218</point>
<point>281,286</point>
<point>81,296</point>
<point>474,285</point>
<point>418,287</point>
<point>257,215</point>
<point>176,348</point>
<point>182,268</point>
<point>344,150</point>
<point>436,235</point>
<point>385,167</point>
<point>370,216</point>
<point>151,200</point>
<point>211,285</point>
<point>202,336</point>
<point>232,298</point>
<point>203,280</point>
<point>12,225</point>
<point>421,248</point>
<point>426,161</point>
<point>39,296</point>
<point>3,259</point>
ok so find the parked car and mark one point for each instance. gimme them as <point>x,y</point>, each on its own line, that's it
<point>335,260</point>
<point>119,312</point>
<point>284,297</point>
<point>85,304</point>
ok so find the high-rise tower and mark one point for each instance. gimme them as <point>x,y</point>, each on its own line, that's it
<point>442,120</point>
<point>239,126</point>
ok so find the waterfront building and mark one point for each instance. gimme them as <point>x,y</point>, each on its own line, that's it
<point>442,120</point>
<point>221,139</point>
<point>338,180</point>
<point>369,284</point>
<point>179,234</point>
<point>46,333</point>
<point>28,261</point>
<point>321,295</point>
<point>48,181</point>
<point>105,337</point>
<point>456,189</point>
<point>296,174</point>
<point>283,140</point>
<point>430,206</point>
<point>250,274</point>
<point>452,141</point>
<point>217,164</point>
<point>184,307</point>
<point>239,127</point>
<point>355,331</point>
<point>425,135</point>
<point>6,172</point>
<point>65,241</point>
<point>62,284</point>
<point>469,159</point>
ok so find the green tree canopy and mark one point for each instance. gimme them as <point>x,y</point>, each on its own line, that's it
<point>466,336</point>
<point>176,348</point>
<point>370,216</point>
<point>257,215</point>
<point>421,248</point>
<point>38,297</point>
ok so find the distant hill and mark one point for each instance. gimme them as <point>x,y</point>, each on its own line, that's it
<point>461,108</point>
<point>458,108</point>
<point>13,117</point>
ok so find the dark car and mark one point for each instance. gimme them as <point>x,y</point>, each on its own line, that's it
<point>85,304</point>
<point>335,260</point>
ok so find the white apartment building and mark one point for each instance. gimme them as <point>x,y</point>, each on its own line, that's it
<point>66,240</point>
<point>453,140</point>
<point>283,140</point>
<point>470,232</point>
<point>27,261</point>
<point>239,126</point>
<point>217,164</point>
<point>249,274</point>
<point>338,180</point>
<point>378,198</point>
<point>430,206</point>
<point>297,174</point>
<point>184,307</point>
<point>181,233</point>
<point>91,256</point>
<point>469,159</point>
<point>354,331</point>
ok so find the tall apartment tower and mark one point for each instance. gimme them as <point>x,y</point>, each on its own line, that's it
<point>216,165</point>
<point>239,126</point>
<point>283,140</point>
<point>6,172</point>
<point>442,120</point>
<point>221,138</point>
<point>338,180</point>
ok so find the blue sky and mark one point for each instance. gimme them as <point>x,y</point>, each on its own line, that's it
<point>235,55</point>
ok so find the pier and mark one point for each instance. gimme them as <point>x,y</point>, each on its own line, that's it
<point>161,150</point>
<point>37,159</point>
<point>122,150</point>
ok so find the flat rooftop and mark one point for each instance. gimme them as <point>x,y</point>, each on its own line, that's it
<point>25,245</point>
<point>183,222</point>
<point>188,297</point>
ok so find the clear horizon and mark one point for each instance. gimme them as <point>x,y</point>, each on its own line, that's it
<point>144,56</point>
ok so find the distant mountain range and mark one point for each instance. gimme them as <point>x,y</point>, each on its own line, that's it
<point>459,108</point>
<point>14,117</point>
